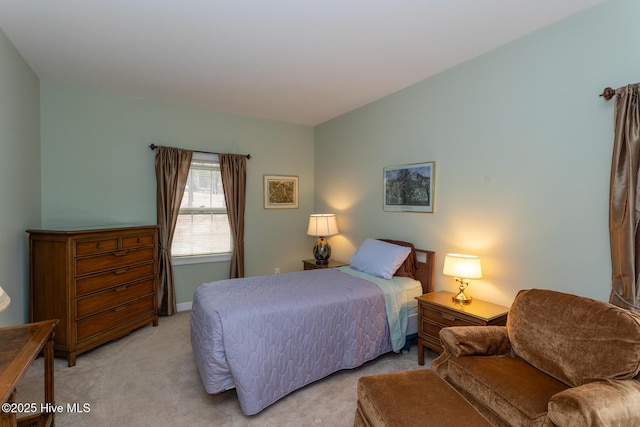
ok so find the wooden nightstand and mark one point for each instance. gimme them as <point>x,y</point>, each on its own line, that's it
<point>20,347</point>
<point>310,264</point>
<point>436,311</point>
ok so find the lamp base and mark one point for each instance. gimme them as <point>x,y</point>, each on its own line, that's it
<point>321,251</point>
<point>461,299</point>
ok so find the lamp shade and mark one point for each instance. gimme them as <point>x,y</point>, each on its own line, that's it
<point>4,300</point>
<point>463,266</point>
<point>322,225</point>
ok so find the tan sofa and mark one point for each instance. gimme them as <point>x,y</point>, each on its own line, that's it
<point>562,360</point>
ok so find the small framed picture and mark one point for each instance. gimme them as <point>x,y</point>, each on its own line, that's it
<point>280,192</point>
<point>409,188</point>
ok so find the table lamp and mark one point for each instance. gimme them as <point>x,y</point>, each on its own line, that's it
<point>4,300</point>
<point>462,267</point>
<point>321,226</point>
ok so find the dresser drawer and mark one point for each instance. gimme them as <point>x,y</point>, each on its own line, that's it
<point>446,319</point>
<point>112,298</point>
<point>116,259</point>
<point>430,329</point>
<point>112,278</point>
<point>96,246</point>
<point>90,326</point>
<point>137,241</point>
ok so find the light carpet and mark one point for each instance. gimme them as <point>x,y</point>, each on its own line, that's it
<point>149,378</point>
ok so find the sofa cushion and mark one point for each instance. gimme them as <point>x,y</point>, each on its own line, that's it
<point>585,340</point>
<point>404,398</point>
<point>509,387</point>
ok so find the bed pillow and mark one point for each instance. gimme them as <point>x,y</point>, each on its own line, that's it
<point>380,259</point>
<point>410,265</point>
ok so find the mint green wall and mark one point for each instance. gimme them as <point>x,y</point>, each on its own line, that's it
<point>97,169</point>
<point>19,176</point>
<point>521,141</point>
<point>522,145</point>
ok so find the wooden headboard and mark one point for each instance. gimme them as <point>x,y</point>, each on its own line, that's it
<point>426,264</point>
<point>425,270</point>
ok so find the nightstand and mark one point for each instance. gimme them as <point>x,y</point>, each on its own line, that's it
<point>21,345</point>
<point>310,264</point>
<point>436,311</point>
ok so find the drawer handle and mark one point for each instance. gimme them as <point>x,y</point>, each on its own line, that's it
<point>138,240</point>
<point>121,288</point>
<point>448,317</point>
<point>120,253</point>
<point>120,308</point>
<point>120,271</point>
<point>97,245</point>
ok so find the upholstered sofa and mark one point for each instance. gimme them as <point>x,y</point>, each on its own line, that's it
<point>562,360</point>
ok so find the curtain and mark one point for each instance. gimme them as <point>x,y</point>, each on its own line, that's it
<point>233,169</point>
<point>624,202</point>
<point>172,171</point>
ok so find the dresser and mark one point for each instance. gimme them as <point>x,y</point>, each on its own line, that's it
<point>100,283</point>
<point>436,310</point>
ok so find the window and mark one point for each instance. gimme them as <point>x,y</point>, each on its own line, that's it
<point>202,232</point>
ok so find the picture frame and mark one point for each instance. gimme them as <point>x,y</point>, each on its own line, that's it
<point>409,188</point>
<point>280,192</point>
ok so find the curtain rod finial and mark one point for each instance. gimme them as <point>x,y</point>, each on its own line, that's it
<point>608,93</point>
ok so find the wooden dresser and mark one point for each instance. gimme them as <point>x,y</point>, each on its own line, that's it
<point>100,283</point>
<point>436,311</point>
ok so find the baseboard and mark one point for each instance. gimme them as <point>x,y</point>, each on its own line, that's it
<point>184,306</point>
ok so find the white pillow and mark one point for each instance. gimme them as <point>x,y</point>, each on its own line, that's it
<point>378,258</point>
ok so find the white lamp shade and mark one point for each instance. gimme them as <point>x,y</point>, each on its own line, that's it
<point>462,266</point>
<point>4,300</point>
<point>322,225</point>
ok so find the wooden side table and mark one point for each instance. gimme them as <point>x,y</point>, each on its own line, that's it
<point>437,310</point>
<point>20,346</point>
<point>310,264</point>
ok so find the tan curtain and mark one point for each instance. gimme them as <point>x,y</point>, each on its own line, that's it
<point>233,168</point>
<point>624,207</point>
<point>172,171</point>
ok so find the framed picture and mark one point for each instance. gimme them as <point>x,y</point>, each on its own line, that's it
<point>280,192</point>
<point>409,188</point>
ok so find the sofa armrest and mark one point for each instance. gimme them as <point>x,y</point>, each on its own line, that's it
<point>475,340</point>
<point>470,341</point>
<point>599,403</point>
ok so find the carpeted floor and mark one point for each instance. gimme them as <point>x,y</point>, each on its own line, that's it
<point>149,378</point>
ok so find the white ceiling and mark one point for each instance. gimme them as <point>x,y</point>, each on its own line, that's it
<point>299,61</point>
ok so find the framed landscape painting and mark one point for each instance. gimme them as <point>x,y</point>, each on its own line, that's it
<point>280,192</point>
<point>409,188</point>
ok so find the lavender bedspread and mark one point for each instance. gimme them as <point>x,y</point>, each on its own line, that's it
<point>268,336</point>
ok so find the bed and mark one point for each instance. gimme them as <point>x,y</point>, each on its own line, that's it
<point>270,335</point>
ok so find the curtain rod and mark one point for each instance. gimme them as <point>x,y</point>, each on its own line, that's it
<point>608,93</point>
<point>154,146</point>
